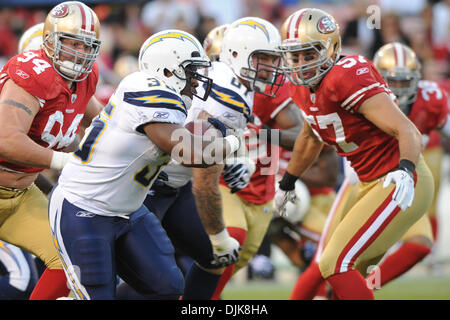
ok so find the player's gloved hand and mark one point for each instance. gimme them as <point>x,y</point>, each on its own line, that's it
<point>225,249</point>
<point>237,175</point>
<point>284,194</point>
<point>403,178</point>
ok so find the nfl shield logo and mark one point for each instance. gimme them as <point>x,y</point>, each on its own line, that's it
<point>74,97</point>
<point>313,97</point>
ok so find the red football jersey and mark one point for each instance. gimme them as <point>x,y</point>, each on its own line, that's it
<point>57,122</point>
<point>261,188</point>
<point>430,110</point>
<point>331,113</point>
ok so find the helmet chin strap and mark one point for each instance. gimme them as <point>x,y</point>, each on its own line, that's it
<point>187,101</point>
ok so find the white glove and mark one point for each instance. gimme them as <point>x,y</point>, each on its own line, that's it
<point>237,175</point>
<point>404,189</point>
<point>225,248</point>
<point>280,200</point>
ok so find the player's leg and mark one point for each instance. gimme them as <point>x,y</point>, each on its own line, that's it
<point>18,274</point>
<point>185,229</point>
<point>433,158</point>
<point>236,222</point>
<point>145,258</point>
<point>310,280</point>
<point>27,227</point>
<point>85,244</point>
<point>416,245</point>
<point>368,230</point>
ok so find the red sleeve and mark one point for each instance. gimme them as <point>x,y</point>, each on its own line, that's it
<point>355,79</point>
<point>266,108</point>
<point>35,75</point>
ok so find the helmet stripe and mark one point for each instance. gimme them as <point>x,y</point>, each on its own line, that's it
<point>83,16</point>
<point>399,55</point>
<point>294,23</point>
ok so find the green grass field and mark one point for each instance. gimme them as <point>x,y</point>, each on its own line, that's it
<point>406,288</point>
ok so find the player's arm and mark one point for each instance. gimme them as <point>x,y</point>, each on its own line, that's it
<point>93,108</point>
<point>186,149</point>
<point>381,111</point>
<point>307,148</point>
<point>17,111</point>
<point>289,121</point>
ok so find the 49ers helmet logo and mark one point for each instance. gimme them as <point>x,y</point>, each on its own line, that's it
<point>60,11</point>
<point>326,25</point>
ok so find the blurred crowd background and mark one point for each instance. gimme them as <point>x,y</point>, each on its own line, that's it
<point>422,24</point>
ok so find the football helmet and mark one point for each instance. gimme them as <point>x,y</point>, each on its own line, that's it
<point>305,30</point>
<point>246,38</point>
<point>72,20</point>
<point>181,54</point>
<point>400,67</point>
<point>31,39</point>
<point>213,42</point>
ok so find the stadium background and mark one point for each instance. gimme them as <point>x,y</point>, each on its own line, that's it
<point>422,24</point>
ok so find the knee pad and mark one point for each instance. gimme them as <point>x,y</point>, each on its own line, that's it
<point>93,262</point>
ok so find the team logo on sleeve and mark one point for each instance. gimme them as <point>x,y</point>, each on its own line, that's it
<point>155,99</point>
<point>326,25</point>
<point>230,99</point>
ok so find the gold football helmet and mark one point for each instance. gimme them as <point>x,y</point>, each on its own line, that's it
<point>399,66</point>
<point>213,42</point>
<point>72,20</point>
<point>314,35</point>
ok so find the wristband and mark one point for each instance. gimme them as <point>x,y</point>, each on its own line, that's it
<point>234,143</point>
<point>287,183</point>
<point>219,238</point>
<point>407,166</point>
<point>59,160</point>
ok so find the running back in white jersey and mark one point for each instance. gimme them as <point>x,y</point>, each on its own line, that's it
<point>116,162</point>
<point>229,101</point>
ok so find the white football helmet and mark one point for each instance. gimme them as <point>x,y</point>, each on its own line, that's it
<point>72,20</point>
<point>296,212</point>
<point>32,38</point>
<point>178,52</point>
<point>242,40</point>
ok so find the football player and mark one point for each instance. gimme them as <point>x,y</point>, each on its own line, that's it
<point>45,95</point>
<point>99,223</point>
<point>191,212</point>
<point>346,103</point>
<point>247,199</point>
<point>425,103</point>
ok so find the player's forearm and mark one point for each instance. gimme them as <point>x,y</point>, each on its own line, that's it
<point>18,148</point>
<point>208,198</point>
<point>306,150</point>
<point>409,140</point>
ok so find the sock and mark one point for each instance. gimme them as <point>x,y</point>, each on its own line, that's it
<point>350,285</point>
<point>199,284</point>
<point>308,283</point>
<point>401,261</point>
<point>240,235</point>
<point>51,286</point>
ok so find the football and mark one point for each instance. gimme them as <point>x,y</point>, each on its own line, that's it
<point>198,127</point>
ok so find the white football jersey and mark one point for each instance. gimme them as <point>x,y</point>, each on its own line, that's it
<point>229,101</point>
<point>116,163</point>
